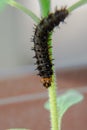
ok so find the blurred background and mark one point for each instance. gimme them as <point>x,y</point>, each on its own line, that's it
<point>21,94</point>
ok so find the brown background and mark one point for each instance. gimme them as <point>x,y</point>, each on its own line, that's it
<point>22,99</point>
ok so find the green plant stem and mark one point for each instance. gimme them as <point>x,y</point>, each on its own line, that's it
<point>77,5</point>
<point>44,7</point>
<point>24,9</point>
<point>52,95</point>
<point>53,104</point>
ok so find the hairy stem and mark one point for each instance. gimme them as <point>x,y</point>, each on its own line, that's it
<point>53,104</point>
<point>53,95</point>
<point>52,89</point>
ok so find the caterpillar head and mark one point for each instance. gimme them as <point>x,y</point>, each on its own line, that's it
<point>46,82</point>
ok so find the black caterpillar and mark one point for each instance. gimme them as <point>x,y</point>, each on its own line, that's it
<point>41,46</point>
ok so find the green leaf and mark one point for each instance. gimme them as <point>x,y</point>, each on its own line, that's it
<point>64,102</point>
<point>2,4</point>
<point>77,5</point>
<point>44,7</point>
<point>24,9</point>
